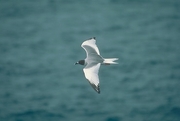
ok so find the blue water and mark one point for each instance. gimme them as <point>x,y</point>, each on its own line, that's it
<point>40,42</point>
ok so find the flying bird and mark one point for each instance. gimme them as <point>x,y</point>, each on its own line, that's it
<point>93,61</point>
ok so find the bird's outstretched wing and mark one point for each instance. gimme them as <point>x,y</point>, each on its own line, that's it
<point>90,47</point>
<point>91,74</point>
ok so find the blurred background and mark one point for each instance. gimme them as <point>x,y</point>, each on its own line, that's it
<point>40,40</point>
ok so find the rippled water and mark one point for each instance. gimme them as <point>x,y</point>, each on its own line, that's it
<point>40,42</point>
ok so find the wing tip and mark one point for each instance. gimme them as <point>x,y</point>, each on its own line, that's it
<point>96,88</point>
<point>98,91</point>
<point>85,42</point>
<point>92,38</point>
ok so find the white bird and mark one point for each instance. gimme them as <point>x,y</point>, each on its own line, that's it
<point>92,62</point>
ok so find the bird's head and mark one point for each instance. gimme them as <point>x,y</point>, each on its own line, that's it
<point>81,62</point>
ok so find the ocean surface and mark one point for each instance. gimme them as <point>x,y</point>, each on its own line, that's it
<point>40,42</point>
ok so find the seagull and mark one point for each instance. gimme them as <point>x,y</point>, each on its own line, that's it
<point>93,61</point>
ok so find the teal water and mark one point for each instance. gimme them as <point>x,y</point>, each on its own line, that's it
<point>40,42</point>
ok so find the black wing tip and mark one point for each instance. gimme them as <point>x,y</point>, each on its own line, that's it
<point>96,88</point>
<point>98,91</point>
<point>93,38</point>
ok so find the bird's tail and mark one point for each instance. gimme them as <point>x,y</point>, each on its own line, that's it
<point>108,61</point>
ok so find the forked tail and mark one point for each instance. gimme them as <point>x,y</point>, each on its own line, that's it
<point>108,61</point>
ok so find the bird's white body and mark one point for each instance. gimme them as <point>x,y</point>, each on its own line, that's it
<point>93,62</point>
